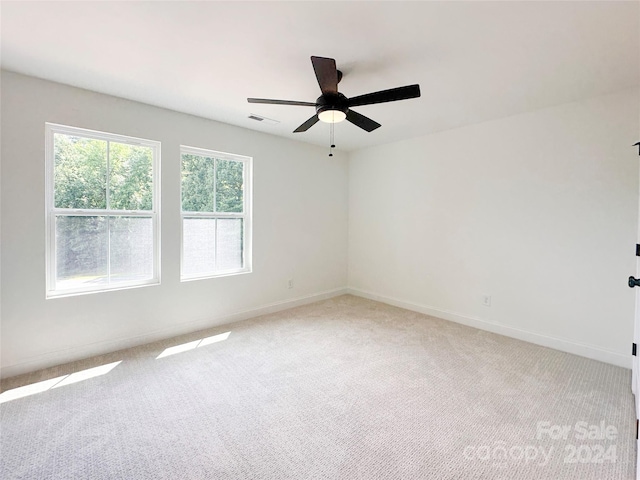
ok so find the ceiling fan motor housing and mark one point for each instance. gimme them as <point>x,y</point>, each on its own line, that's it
<point>332,101</point>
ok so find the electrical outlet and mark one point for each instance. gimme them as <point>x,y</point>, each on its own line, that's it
<point>486,300</point>
<point>290,283</point>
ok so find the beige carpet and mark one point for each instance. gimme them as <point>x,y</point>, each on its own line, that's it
<point>341,389</point>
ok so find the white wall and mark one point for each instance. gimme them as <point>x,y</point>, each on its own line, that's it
<point>538,210</point>
<point>299,230</point>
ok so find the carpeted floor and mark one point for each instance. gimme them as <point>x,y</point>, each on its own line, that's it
<point>346,388</point>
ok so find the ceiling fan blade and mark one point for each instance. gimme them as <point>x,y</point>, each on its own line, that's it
<point>361,121</point>
<point>326,73</point>
<point>306,125</point>
<point>391,95</point>
<point>280,102</point>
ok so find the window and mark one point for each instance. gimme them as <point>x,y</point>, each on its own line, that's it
<point>216,217</point>
<point>102,211</point>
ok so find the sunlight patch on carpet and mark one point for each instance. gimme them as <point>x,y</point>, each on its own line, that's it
<point>193,345</point>
<point>61,381</point>
<point>87,374</point>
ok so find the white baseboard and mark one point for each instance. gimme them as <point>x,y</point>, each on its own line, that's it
<point>59,357</point>
<point>564,345</point>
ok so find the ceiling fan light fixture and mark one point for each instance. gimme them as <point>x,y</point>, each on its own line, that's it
<point>332,116</point>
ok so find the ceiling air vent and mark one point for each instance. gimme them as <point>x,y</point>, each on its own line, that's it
<point>259,118</point>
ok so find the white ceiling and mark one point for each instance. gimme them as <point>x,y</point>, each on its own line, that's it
<point>474,61</point>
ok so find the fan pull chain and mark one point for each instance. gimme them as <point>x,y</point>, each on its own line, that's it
<point>331,139</point>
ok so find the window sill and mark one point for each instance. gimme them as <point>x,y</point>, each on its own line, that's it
<point>76,292</point>
<point>216,275</point>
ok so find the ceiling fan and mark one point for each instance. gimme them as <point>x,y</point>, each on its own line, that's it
<point>334,107</point>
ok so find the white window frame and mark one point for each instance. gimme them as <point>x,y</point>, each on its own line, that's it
<point>51,211</point>
<point>246,215</point>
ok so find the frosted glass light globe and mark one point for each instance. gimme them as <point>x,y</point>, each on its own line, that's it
<point>332,116</point>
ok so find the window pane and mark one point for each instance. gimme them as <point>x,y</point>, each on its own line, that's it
<point>198,244</point>
<point>229,247</point>
<point>197,183</point>
<point>131,244</point>
<point>130,177</point>
<point>81,251</point>
<point>80,169</point>
<point>229,186</point>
